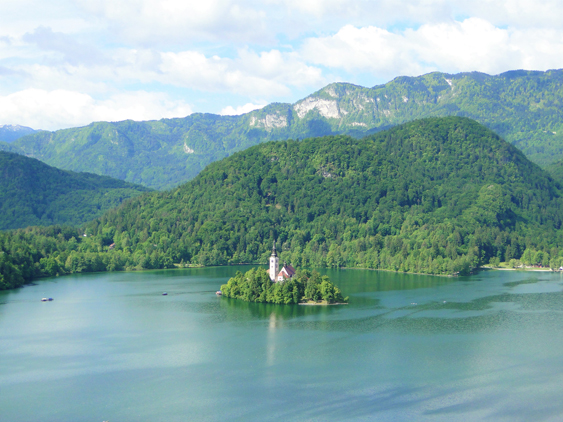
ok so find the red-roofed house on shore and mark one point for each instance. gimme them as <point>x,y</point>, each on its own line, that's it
<point>286,273</point>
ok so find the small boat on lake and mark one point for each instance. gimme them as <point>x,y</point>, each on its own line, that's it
<point>164,294</point>
<point>44,299</point>
<point>218,293</point>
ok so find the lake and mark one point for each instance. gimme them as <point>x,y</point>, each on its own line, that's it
<point>111,347</point>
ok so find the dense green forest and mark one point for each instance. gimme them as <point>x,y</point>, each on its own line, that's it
<point>523,107</point>
<point>438,196</point>
<point>33,193</point>
<point>556,170</point>
<point>305,287</point>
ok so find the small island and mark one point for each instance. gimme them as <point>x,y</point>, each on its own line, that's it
<point>288,286</point>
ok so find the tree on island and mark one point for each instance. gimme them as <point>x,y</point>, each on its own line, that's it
<point>305,287</point>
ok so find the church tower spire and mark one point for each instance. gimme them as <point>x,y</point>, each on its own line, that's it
<point>274,263</point>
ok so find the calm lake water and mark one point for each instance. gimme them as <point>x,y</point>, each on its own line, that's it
<point>406,348</point>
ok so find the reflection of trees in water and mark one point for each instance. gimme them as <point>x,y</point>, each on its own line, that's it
<point>223,273</point>
<point>273,320</point>
<point>239,310</point>
<point>353,281</point>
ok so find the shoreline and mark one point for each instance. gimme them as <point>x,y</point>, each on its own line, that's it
<point>401,272</point>
<point>193,266</point>
<point>532,270</point>
<point>528,269</point>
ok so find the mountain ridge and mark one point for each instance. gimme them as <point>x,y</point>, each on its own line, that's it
<point>34,193</point>
<point>10,133</point>
<point>524,107</point>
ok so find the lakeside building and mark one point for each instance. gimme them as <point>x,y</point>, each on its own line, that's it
<point>276,274</point>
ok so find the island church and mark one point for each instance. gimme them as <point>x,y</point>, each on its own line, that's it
<point>286,272</point>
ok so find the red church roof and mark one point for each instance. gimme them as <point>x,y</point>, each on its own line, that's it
<point>286,272</point>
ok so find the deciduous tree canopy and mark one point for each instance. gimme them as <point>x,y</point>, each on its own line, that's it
<point>438,195</point>
<point>33,193</point>
<point>306,286</point>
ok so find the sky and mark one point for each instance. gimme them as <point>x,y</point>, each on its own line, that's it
<point>67,63</point>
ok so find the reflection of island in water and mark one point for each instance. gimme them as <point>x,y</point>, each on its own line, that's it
<point>274,321</point>
<point>241,311</point>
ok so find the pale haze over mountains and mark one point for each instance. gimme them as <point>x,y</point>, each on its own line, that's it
<point>9,133</point>
<point>65,63</point>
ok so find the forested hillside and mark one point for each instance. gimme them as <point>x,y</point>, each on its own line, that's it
<point>556,170</point>
<point>523,107</point>
<point>33,193</point>
<point>439,195</point>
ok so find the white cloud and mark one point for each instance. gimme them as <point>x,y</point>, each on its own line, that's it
<point>57,109</point>
<point>72,51</point>
<point>287,68</point>
<point>322,8</point>
<point>473,44</point>
<point>63,63</point>
<point>365,49</point>
<point>251,51</point>
<point>515,13</point>
<point>243,109</point>
<point>21,16</point>
<point>151,22</point>
<point>522,13</point>
<point>265,75</point>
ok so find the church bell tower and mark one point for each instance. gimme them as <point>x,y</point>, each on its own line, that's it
<point>274,263</point>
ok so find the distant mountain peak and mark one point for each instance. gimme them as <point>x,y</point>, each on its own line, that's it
<point>155,153</point>
<point>16,127</point>
<point>9,133</point>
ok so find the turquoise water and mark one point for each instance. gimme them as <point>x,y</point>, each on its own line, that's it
<point>406,348</point>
